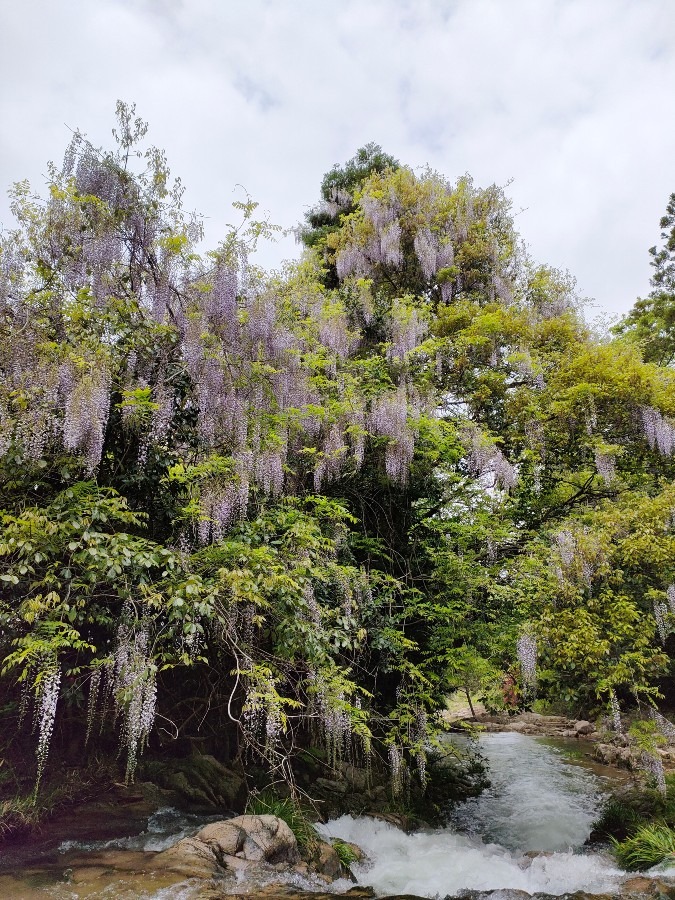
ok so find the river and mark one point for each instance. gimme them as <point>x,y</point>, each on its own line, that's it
<point>525,833</point>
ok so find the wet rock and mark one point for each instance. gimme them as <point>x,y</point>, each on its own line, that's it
<point>582,727</point>
<point>326,862</point>
<point>253,838</point>
<point>190,858</point>
<point>288,892</point>
<point>224,838</point>
<point>637,885</point>
<point>398,821</point>
<point>640,887</point>
<point>235,844</point>
<point>518,727</point>
<point>332,785</point>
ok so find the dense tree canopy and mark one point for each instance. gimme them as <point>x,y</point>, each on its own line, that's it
<point>298,508</point>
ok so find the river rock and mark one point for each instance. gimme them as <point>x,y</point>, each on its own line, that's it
<point>643,887</point>
<point>255,838</point>
<point>326,862</point>
<point>582,727</point>
<point>289,892</point>
<point>234,844</point>
<point>609,755</point>
<point>190,858</point>
<point>356,777</point>
<point>199,782</point>
<point>333,785</point>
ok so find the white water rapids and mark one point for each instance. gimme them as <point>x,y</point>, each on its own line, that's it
<point>537,802</point>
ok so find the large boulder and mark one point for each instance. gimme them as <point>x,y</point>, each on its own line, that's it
<point>326,862</point>
<point>253,838</point>
<point>582,728</point>
<point>233,845</point>
<point>191,858</point>
<point>199,782</point>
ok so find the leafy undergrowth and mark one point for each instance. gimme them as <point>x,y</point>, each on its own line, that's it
<point>23,810</point>
<point>640,826</point>
<point>24,813</point>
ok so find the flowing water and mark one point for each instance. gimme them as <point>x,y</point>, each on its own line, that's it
<point>524,833</point>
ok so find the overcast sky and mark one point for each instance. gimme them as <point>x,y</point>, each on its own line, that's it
<point>572,101</point>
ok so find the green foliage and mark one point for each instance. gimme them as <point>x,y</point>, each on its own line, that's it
<point>338,187</point>
<point>290,812</point>
<point>618,819</point>
<point>345,852</point>
<point>650,845</point>
<point>300,508</point>
<point>651,321</point>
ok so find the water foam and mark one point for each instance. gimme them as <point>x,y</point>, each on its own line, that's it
<point>441,862</point>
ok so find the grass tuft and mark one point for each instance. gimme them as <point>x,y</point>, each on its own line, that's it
<point>650,844</point>
<point>268,804</point>
<point>618,819</point>
<point>345,852</point>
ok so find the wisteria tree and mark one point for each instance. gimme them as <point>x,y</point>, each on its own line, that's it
<point>305,506</point>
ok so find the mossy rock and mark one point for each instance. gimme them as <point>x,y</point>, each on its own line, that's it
<point>200,782</point>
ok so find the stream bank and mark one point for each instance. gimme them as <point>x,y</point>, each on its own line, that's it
<point>603,746</point>
<point>522,837</point>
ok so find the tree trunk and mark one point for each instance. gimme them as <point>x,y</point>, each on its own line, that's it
<point>468,697</point>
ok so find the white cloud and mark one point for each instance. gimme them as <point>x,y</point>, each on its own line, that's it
<point>569,99</point>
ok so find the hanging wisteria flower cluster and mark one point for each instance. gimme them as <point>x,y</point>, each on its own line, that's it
<point>670,597</point>
<point>134,689</point>
<point>249,391</point>
<point>579,558</point>
<point>654,765</point>
<point>616,712</point>
<point>263,717</point>
<point>665,727</point>
<point>524,365</point>
<point>419,737</point>
<point>433,251</point>
<point>407,330</point>
<point>390,417</point>
<point>487,461</point>
<point>128,679</point>
<point>437,224</point>
<point>659,431</point>
<point>331,704</point>
<point>605,463</point>
<point>660,613</point>
<point>566,545</point>
<point>47,701</point>
<point>396,770</point>
<point>526,648</point>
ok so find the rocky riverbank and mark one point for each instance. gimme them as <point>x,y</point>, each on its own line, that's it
<point>603,746</point>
